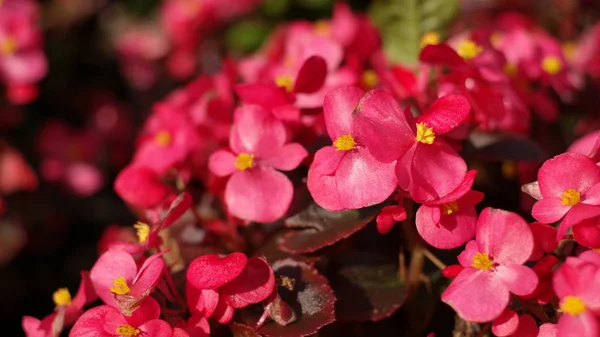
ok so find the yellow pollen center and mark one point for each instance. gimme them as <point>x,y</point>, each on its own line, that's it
<point>8,45</point>
<point>163,138</point>
<point>551,65</point>
<point>244,161</point>
<point>450,208</point>
<point>369,79</point>
<point>125,330</point>
<point>344,143</point>
<point>322,27</point>
<point>572,305</point>
<point>482,261</point>
<point>570,197</point>
<point>62,297</point>
<point>468,49</point>
<point>285,81</point>
<point>510,69</point>
<point>425,134</point>
<point>143,230</point>
<point>430,38</point>
<point>120,286</point>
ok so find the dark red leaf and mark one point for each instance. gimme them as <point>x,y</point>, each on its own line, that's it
<point>311,299</point>
<point>367,287</point>
<point>311,75</point>
<point>241,330</point>
<point>318,228</point>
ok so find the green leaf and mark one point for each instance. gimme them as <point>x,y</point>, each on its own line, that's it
<point>403,22</point>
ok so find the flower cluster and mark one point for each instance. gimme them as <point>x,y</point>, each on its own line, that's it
<point>240,174</point>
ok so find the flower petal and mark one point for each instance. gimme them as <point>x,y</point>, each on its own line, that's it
<point>286,158</point>
<point>567,171</point>
<point>504,235</point>
<point>549,210</point>
<point>256,131</point>
<point>221,163</point>
<point>259,194</point>
<point>253,285</point>
<point>476,295</point>
<point>519,280</point>
<point>380,124</point>
<point>212,271</point>
<point>110,266</point>
<point>156,328</point>
<point>266,95</point>
<point>91,323</point>
<point>446,113</point>
<point>338,108</point>
<point>452,231</point>
<point>311,75</point>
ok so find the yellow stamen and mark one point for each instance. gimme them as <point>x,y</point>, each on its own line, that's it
<point>450,208</point>
<point>322,27</point>
<point>344,143</point>
<point>62,297</point>
<point>572,305</point>
<point>495,39</point>
<point>143,230</point>
<point>570,197</point>
<point>430,38</point>
<point>120,286</point>
<point>8,45</point>
<point>425,134</point>
<point>468,49</point>
<point>369,79</point>
<point>482,261</point>
<point>510,69</point>
<point>125,330</point>
<point>163,138</point>
<point>244,161</point>
<point>285,81</point>
<point>551,65</point>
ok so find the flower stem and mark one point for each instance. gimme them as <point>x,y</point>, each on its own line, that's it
<point>434,259</point>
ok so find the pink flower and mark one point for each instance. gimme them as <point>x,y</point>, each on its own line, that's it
<point>67,310</point>
<point>119,282</point>
<point>169,137</point>
<point>544,268</point>
<point>428,168</point>
<point>256,191</point>
<point>347,175</point>
<point>15,173</point>
<point>569,187</point>
<point>450,221</point>
<point>22,59</point>
<point>107,321</point>
<point>141,186</point>
<point>218,285</point>
<point>576,285</point>
<point>587,233</point>
<point>492,267</point>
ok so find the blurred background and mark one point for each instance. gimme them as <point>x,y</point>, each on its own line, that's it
<point>74,129</point>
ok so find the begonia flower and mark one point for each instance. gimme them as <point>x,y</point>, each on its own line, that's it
<point>575,284</point>
<point>256,191</point>
<point>428,168</point>
<point>218,285</point>
<point>346,175</point>
<point>492,267</point>
<point>569,186</point>
<point>118,280</point>
<point>107,321</point>
<point>450,221</point>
